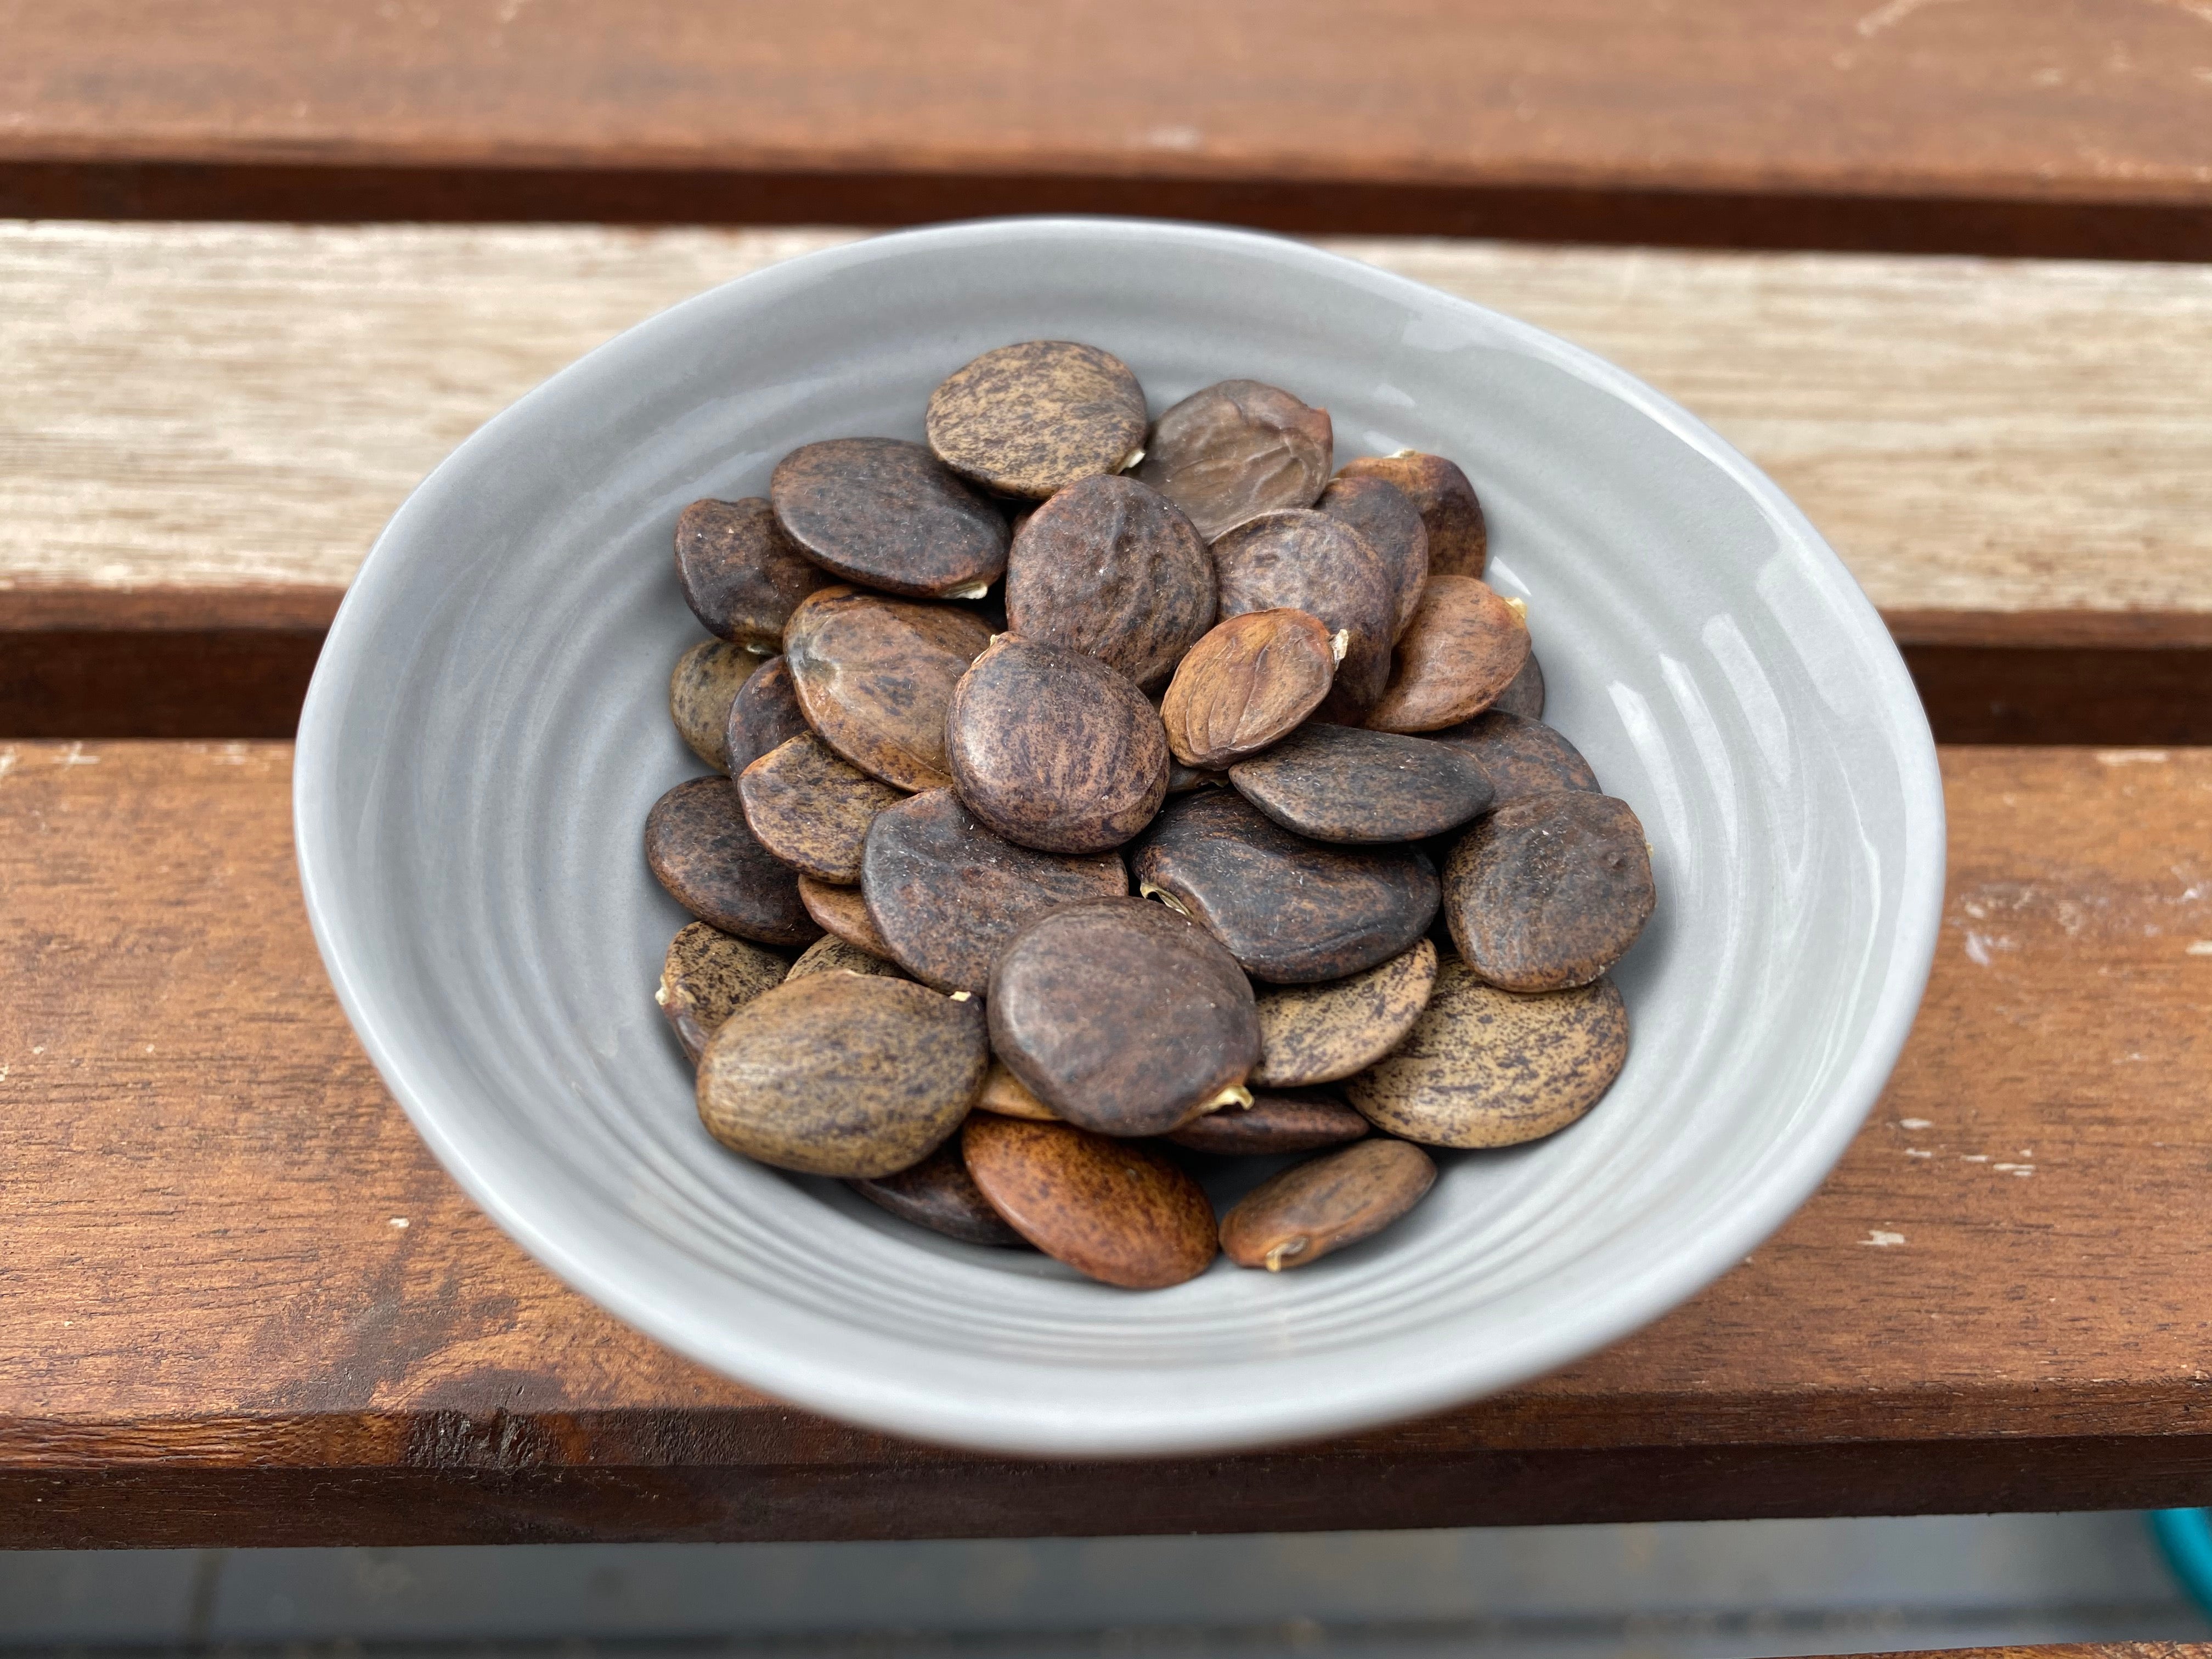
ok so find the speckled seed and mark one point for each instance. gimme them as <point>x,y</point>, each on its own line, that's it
<point>1051,748</point>
<point>765,713</point>
<point>831,955</point>
<point>741,575</point>
<point>702,852</point>
<point>1122,1016</point>
<point>708,975</point>
<point>1459,545</point>
<point>1009,1096</point>
<point>1026,420</point>
<point>938,1193</point>
<point>842,912</point>
<point>1519,757</point>
<point>1272,1124</point>
<point>1112,567</point>
<point>1549,890</point>
<point>945,894</point>
<point>1309,561</point>
<point>1341,783</point>
<point>1112,1210</point>
<point>1291,910</point>
<point>874,677</point>
<point>1465,646</point>
<point>1249,681</point>
<point>1302,1214</point>
<point>811,807</point>
<point>705,683</point>
<point>1387,517</point>
<point>843,1074</point>
<point>1237,449</point>
<point>1525,696</point>
<point>1313,1034</point>
<point>886,514</point>
<point>1486,1068</point>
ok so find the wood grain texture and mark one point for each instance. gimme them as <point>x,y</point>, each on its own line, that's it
<point>216,1330</point>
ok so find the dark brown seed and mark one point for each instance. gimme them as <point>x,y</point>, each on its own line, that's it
<point>1464,648</point>
<point>1520,757</point>
<point>1238,449</point>
<point>1486,1068</point>
<point>741,575</point>
<point>1009,1096</point>
<point>1112,567</point>
<point>1291,910</point>
<point>1182,779</point>
<point>1313,1034</point>
<point>708,976</point>
<point>887,514</point>
<point>1345,784</point>
<point>766,713</point>
<point>1525,696</point>
<point>1122,1016</point>
<point>705,684</point>
<point>831,955</point>
<point>844,914</point>
<point>1304,560</point>
<point>1459,545</point>
<point>1549,890</point>
<point>937,1194</point>
<point>702,851</point>
<point>1117,1211</point>
<point>945,894</point>
<point>1051,748</point>
<point>811,808</point>
<point>874,677</point>
<point>1250,681</point>
<point>1387,517</point>
<point>1272,1123</point>
<point>842,1074</point>
<point>1029,419</point>
<point>1301,1215</point>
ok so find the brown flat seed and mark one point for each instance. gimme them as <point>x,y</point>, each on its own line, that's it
<point>1029,419</point>
<point>1303,561</point>
<point>1549,890</point>
<point>1051,748</point>
<point>1270,1124</point>
<point>874,677</point>
<point>1486,1068</point>
<point>1122,1016</point>
<point>945,894</point>
<point>1525,696</point>
<point>811,807</point>
<point>708,976</point>
<point>1238,449</point>
<point>843,1074</point>
<point>765,713</point>
<point>1387,517</point>
<point>1313,1034</point>
<point>1302,1214</point>
<point>705,684</point>
<point>1519,757</point>
<point>741,575</point>
<point>1009,1096</point>
<point>1342,783</point>
<point>887,514</point>
<point>831,955</point>
<point>1112,567</point>
<point>938,1193</point>
<point>844,913</point>
<point>1459,545</point>
<point>1464,648</point>
<point>702,851</point>
<point>1250,681</point>
<point>1291,910</point>
<point>1114,1211</point>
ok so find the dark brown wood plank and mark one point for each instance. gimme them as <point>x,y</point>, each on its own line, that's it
<point>2079,127</point>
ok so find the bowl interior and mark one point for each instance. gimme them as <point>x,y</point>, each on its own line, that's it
<point>489,727</point>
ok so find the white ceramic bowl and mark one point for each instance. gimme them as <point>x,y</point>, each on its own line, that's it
<point>488,725</point>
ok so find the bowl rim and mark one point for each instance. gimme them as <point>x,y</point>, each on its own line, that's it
<point>828,1385</point>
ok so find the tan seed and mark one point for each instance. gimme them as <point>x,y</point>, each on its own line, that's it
<point>1297,1218</point>
<point>1009,1096</point>
<point>708,975</point>
<point>1313,1034</point>
<point>831,955</point>
<point>1029,419</point>
<point>705,683</point>
<point>843,912</point>
<point>1251,681</point>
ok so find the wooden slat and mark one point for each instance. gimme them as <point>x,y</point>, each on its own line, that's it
<point>2078,126</point>
<point>215,1331</point>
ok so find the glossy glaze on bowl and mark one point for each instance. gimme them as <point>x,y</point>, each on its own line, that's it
<point>488,727</point>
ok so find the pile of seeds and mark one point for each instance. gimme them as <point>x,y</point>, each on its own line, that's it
<point>1061,652</point>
